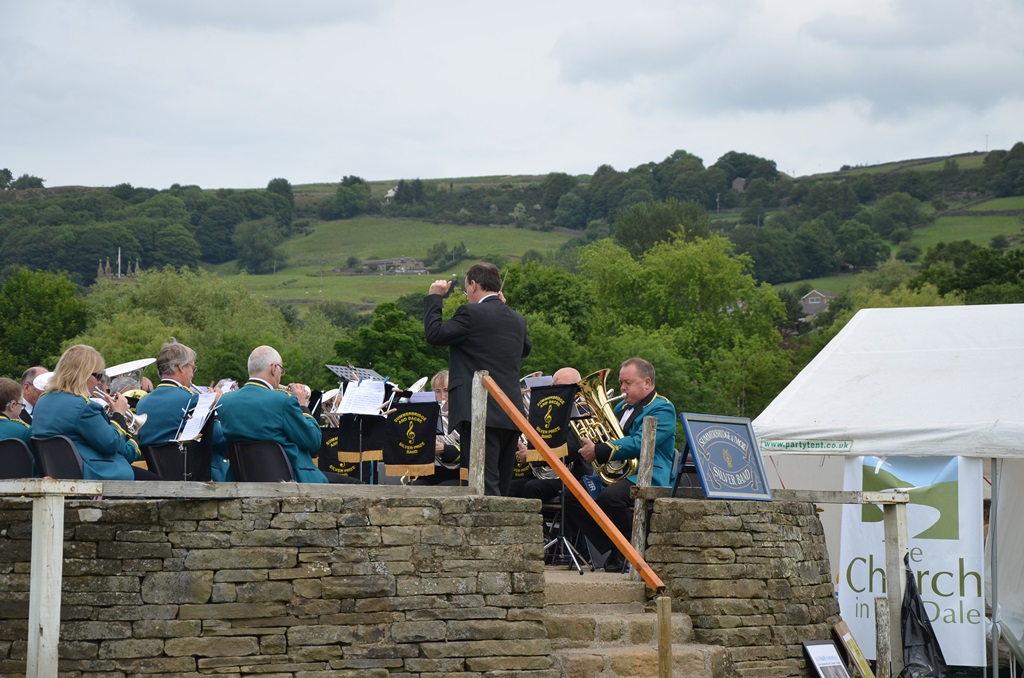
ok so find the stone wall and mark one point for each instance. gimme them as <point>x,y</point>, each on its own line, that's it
<point>753,576</point>
<point>295,588</point>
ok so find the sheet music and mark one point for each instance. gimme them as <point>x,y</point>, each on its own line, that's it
<point>362,397</point>
<point>422,397</point>
<point>202,412</point>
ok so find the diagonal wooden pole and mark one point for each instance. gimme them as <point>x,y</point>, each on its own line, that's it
<point>599,516</point>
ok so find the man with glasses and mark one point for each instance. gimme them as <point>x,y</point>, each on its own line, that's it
<point>174,396</point>
<point>262,410</point>
<point>29,393</point>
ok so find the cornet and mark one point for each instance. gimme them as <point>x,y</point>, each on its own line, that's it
<point>133,421</point>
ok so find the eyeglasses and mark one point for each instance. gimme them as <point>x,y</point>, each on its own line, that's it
<point>98,376</point>
<point>281,367</point>
<point>15,403</point>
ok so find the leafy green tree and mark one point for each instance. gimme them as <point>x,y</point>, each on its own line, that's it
<point>393,345</point>
<point>349,200</point>
<point>531,256</point>
<point>553,294</point>
<point>258,246</point>
<point>554,346</point>
<point>700,290</point>
<point>27,181</point>
<point>39,312</point>
<point>215,230</point>
<point>165,207</point>
<point>829,196</point>
<point>896,210</point>
<point>6,177</point>
<point>571,212</point>
<point>341,314</point>
<point>641,226</point>
<point>818,249</point>
<point>283,188</point>
<point>554,186</point>
<point>216,316</point>
<point>859,246</point>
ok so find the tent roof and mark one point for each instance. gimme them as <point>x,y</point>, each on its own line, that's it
<point>944,380</point>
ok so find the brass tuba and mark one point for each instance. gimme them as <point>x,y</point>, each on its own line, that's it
<point>602,425</point>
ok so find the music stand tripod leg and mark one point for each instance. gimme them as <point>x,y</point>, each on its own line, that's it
<point>565,547</point>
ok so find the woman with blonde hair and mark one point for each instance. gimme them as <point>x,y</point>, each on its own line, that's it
<point>65,408</point>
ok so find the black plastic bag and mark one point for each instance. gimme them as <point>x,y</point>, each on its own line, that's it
<point>922,656</point>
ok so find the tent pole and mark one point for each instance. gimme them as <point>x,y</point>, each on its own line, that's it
<point>993,516</point>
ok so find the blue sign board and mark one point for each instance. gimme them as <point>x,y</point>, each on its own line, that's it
<point>726,455</point>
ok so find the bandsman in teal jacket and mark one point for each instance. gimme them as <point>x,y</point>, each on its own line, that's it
<point>66,408</point>
<point>261,410</point>
<point>173,397</point>
<point>641,400</point>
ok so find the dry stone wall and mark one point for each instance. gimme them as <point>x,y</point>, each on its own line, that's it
<point>287,588</point>
<point>753,576</point>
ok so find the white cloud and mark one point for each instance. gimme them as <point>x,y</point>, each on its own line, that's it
<point>234,93</point>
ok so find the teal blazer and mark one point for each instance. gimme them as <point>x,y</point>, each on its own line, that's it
<point>165,407</point>
<point>106,449</point>
<point>664,411</point>
<point>258,412</point>
<point>16,428</point>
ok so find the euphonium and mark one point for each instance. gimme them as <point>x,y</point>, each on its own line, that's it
<point>602,425</point>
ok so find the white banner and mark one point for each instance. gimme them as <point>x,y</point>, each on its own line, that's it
<point>944,519</point>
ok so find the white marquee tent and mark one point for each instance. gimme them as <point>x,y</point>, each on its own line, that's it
<point>936,381</point>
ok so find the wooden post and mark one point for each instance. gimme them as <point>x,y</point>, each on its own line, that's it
<point>664,604</point>
<point>478,434</point>
<point>45,584</point>
<point>882,649</point>
<point>645,470</point>
<point>47,564</point>
<point>896,546</point>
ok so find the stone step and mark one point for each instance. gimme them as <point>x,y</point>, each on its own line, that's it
<point>566,589</point>
<point>603,630</point>
<point>688,661</point>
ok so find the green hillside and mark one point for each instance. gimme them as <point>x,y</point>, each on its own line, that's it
<point>317,270</point>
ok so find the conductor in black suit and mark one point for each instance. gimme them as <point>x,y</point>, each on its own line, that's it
<point>484,334</point>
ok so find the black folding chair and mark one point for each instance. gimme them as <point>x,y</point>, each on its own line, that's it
<point>58,457</point>
<point>179,461</point>
<point>260,461</point>
<point>16,459</point>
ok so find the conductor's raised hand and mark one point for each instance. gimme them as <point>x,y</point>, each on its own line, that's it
<point>441,287</point>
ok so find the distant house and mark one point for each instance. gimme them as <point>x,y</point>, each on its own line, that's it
<point>814,302</point>
<point>405,265</point>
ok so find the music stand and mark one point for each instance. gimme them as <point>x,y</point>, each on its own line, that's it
<point>347,373</point>
<point>564,545</point>
<point>554,427</point>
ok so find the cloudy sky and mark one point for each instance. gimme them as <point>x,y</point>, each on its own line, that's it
<point>232,93</point>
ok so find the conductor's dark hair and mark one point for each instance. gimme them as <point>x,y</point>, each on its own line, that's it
<point>486,275</point>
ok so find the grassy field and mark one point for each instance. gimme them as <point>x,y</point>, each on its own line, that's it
<point>964,161</point>
<point>967,161</point>
<point>979,230</point>
<point>309,275</point>
<point>832,284</point>
<point>1013,203</point>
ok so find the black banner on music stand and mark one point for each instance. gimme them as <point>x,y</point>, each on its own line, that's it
<point>361,438</point>
<point>328,457</point>
<point>550,410</point>
<point>411,439</point>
